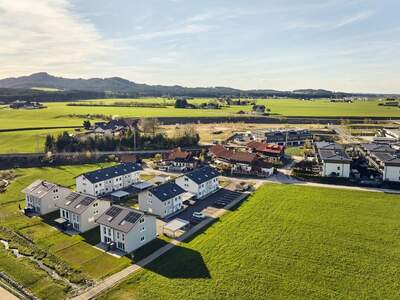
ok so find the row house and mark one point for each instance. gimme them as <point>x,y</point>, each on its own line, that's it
<point>41,197</point>
<point>164,200</point>
<point>80,211</point>
<point>383,158</point>
<point>201,182</point>
<point>126,229</point>
<point>106,181</point>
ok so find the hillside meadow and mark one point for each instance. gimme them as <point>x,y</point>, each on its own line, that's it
<point>284,242</point>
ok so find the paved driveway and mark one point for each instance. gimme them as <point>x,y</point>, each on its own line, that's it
<point>204,204</point>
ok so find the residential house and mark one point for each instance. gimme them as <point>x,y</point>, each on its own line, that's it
<point>126,229</point>
<point>201,182</point>
<point>241,163</point>
<point>333,159</point>
<point>383,158</point>
<point>180,160</point>
<point>105,181</point>
<point>81,210</point>
<point>271,152</point>
<point>116,126</point>
<point>287,138</point>
<point>164,200</point>
<point>41,196</point>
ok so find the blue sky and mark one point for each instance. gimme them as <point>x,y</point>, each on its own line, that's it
<point>347,45</point>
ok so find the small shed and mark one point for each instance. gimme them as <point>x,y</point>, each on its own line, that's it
<point>174,226</point>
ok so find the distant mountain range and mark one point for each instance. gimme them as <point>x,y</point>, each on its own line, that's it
<point>119,87</point>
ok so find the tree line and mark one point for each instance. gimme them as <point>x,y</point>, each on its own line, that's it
<point>150,138</point>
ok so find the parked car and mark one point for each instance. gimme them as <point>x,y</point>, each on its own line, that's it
<point>197,217</point>
<point>220,203</point>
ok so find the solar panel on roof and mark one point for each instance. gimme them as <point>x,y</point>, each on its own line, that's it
<point>132,217</point>
<point>87,201</point>
<point>113,211</point>
<point>72,196</point>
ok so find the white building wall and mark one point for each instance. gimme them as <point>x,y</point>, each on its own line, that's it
<point>143,233</point>
<point>391,173</point>
<point>200,190</point>
<point>341,169</point>
<point>47,203</point>
<point>150,203</point>
<point>107,186</point>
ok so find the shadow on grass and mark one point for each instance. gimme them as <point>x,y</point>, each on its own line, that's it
<point>180,263</point>
<point>92,236</point>
<point>202,231</point>
<point>148,249</point>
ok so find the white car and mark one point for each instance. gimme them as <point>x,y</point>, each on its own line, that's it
<point>198,215</point>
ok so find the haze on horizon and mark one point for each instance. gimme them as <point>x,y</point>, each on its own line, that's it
<point>342,45</point>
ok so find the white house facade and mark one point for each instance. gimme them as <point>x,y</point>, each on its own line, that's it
<point>41,196</point>
<point>201,182</point>
<point>108,180</point>
<point>164,200</point>
<point>81,211</point>
<point>333,159</point>
<point>128,229</point>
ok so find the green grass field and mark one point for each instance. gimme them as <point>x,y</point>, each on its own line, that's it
<point>77,251</point>
<point>59,114</point>
<point>284,242</point>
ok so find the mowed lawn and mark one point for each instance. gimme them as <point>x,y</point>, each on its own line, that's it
<point>284,242</point>
<point>77,251</point>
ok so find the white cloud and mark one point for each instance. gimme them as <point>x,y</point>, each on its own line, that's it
<point>45,35</point>
<point>331,25</point>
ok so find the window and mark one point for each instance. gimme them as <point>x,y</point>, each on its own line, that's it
<point>142,239</point>
<point>123,237</point>
<point>338,168</point>
<point>141,220</point>
<point>96,204</point>
<point>109,231</point>
<point>117,235</point>
<point>104,230</point>
<point>142,229</point>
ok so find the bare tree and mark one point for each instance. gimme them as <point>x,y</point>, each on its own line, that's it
<point>150,125</point>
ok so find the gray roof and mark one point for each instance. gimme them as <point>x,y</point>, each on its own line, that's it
<point>332,152</point>
<point>203,174</point>
<point>167,191</point>
<point>328,146</point>
<point>388,159</point>
<point>111,172</point>
<point>120,218</point>
<point>39,188</point>
<point>373,147</point>
<point>76,203</point>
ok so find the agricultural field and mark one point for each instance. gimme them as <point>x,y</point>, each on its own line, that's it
<point>27,141</point>
<point>284,242</point>
<point>76,251</point>
<point>62,115</point>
